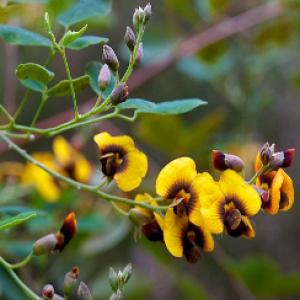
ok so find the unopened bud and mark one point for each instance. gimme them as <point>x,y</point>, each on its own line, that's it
<point>129,38</point>
<point>138,17</point>
<point>70,280</point>
<point>127,272</point>
<point>113,279</point>
<point>289,155</point>
<point>233,219</point>
<point>118,295</point>
<point>222,161</point>
<point>48,292</point>
<point>139,56</point>
<point>84,292</point>
<point>66,232</point>
<point>138,217</point>
<point>104,77</point>
<point>266,153</point>
<point>110,58</point>
<point>119,94</point>
<point>153,232</point>
<point>45,244</point>
<point>148,12</point>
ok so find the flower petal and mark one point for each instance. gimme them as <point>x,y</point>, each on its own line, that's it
<point>179,171</point>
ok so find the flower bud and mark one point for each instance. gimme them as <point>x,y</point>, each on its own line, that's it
<point>222,161</point>
<point>139,56</point>
<point>45,245</point>
<point>289,155</point>
<point>70,280</point>
<point>118,295</point>
<point>266,153</point>
<point>104,77</point>
<point>129,38</point>
<point>153,232</point>
<point>48,292</point>
<point>113,279</point>
<point>263,194</point>
<point>127,272</point>
<point>84,292</point>
<point>138,217</point>
<point>66,232</point>
<point>110,58</point>
<point>138,17</point>
<point>119,94</point>
<point>147,12</point>
<point>57,297</point>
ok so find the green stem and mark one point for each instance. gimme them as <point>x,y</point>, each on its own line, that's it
<point>76,184</point>
<point>24,136</point>
<point>27,291</point>
<point>63,54</point>
<point>7,114</point>
<point>40,108</point>
<point>23,262</point>
<point>261,171</point>
<point>134,54</point>
<point>22,104</point>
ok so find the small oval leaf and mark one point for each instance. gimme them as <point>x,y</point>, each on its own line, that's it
<point>174,107</point>
<point>86,41</point>
<point>34,71</point>
<point>19,36</point>
<point>16,220</point>
<point>62,88</point>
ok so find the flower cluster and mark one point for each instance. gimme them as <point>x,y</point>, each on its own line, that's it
<point>198,206</point>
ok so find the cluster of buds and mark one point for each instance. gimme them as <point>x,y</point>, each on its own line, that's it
<point>70,283</point>
<point>56,242</point>
<point>141,16</point>
<point>275,160</point>
<point>118,280</point>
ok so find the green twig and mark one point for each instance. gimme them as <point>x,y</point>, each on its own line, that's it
<point>261,171</point>
<point>78,185</point>
<point>27,291</point>
<point>40,108</point>
<point>6,114</point>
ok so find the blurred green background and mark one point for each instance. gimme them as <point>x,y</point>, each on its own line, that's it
<point>251,80</point>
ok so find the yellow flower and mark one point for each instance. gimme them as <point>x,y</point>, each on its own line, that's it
<point>179,181</point>
<point>151,222</point>
<point>183,238</point>
<point>121,160</point>
<point>40,179</point>
<point>233,206</point>
<point>280,188</point>
<point>74,164</point>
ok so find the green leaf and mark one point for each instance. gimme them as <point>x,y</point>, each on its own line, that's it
<point>174,107</point>
<point>86,41</point>
<point>16,220</point>
<point>72,36</point>
<point>62,88</point>
<point>19,36</point>
<point>34,85</point>
<point>34,71</point>
<point>92,71</point>
<point>83,10</point>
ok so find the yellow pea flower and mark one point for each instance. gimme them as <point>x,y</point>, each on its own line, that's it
<point>180,182</point>
<point>45,184</point>
<point>232,207</point>
<point>121,160</point>
<point>183,238</point>
<point>280,188</point>
<point>74,164</point>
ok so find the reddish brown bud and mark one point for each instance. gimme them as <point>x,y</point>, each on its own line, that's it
<point>110,58</point>
<point>153,232</point>
<point>48,292</point>
<point>289,155</point>
<point>222,161</point>
<point>119,94</point>
<point>129,38</point>
<point>66,232</point>
<point>104,77</point>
